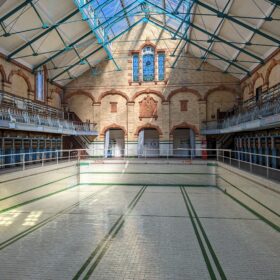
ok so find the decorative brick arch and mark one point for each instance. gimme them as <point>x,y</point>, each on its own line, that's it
<point>148,125</point>
<point>185,125</point>
<point>255,78</point>
<point>148,91</point>
<point>113,92</point>
<point>3,74</point>
<point>184,89</point>
<point>20,73</point>
<point>220,88</point>
<point>113,126</point>
<point>57,92</point>
<point>148,44</point>
<point>79,93</point>
<point>273,63</point>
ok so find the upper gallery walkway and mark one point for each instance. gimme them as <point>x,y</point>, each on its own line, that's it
<point>256,113</point>
<point>18,113</point>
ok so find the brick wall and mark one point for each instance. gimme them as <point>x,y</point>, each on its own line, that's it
<point>91,95</point>
<point>18,80</point>
<point>265,76</point>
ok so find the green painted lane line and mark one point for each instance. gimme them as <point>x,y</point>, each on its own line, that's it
<point>30,175</point>
<point>274,226</point>
<point>24,233</point>
<point>151,173</point>
<point>106,241</point>
<point>152,185</point>
<point>257,201</point>
<point>34,188</point>
<point>37,198</point>
<point>211,250</point>
<point>199,239</point>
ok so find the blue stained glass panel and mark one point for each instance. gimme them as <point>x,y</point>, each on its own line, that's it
<point>40,85</point>
<point>148,67</point>
<point>161,68</point>
<point>135,68</point>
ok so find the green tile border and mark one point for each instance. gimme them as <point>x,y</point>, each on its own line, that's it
<point>37,187</point>
<point>100,250</point>
<point>31,229</point>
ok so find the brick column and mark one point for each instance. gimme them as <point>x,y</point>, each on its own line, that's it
<point>96,115</point>
<point>6,86</point>
<point>202,111</point>
<point>131,147</point>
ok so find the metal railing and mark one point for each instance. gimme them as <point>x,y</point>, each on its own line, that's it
<point>22,117</point>
<point>250,110</point>
<point>260,164</point>
<point>21,103</point>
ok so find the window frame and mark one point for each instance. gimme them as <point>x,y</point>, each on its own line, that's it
<point>161,54</point>
<point>43,86</point>
<point>134,55</point>
<point>148,51</point>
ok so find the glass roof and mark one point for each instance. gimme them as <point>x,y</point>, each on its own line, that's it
<point>111,18</point>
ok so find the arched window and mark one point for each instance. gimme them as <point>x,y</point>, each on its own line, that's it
<point>161,66</point>
<point>135,67</point>
<point>148,55</point>
<point>40,85</point>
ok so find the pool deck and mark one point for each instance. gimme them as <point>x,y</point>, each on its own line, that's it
<point>137,232</point>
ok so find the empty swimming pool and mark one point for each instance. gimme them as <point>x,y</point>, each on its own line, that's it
<point>124,221</point>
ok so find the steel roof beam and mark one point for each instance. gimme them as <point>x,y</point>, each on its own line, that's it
<point>42,34</point>
<point>219,26</point>
<point>200,47</point>
<point>15,10</point>
<point>209,33</point>
<point>183,20</point>
<point>178,7</point>
<point>164,6</point>
<point>96,50</point>
<point>46,31</point>
<point>67,48</point>
<point>235,20</point>
<point>251,37</point>
<point>78,40</point>
<point>275,2</point>
<point>125,12</point>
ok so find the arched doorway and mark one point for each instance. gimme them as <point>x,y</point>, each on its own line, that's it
<point>114,144</point>
<point>148,143</point>
<point>183,142</point>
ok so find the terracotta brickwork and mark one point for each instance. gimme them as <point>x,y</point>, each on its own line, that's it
<point>19,81</point>
<point>266,76</point>
<point>205,91</point>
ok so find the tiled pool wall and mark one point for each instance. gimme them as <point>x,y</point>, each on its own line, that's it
<point>153,174</point>
<point>259,195</point>
<point>18,188</point>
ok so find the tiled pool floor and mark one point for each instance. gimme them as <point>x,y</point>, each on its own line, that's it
<point>130,232</point>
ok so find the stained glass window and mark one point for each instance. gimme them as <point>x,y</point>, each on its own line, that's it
<point>135,68</point>
<point>148,64</point>
<point>161,62</point>
<point>40,86</point>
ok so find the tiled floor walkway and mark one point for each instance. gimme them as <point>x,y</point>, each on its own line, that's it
<point>128,232</point>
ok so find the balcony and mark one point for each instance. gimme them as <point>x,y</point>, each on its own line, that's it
<point>22,114</point>
<point>251,115</point>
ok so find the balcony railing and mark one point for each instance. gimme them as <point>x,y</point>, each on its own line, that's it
<point>251,110</point>
<point>13,118</point>
<point>11,101</point>
<point>23,114</point>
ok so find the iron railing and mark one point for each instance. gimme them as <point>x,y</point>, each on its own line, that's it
<point>267,105</point>
<point>14,116</point>
<point>267,165</point>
